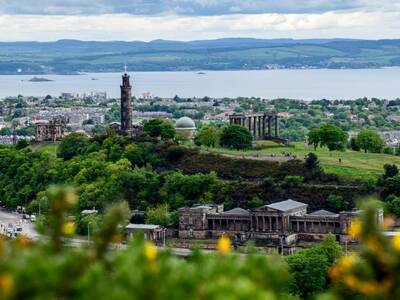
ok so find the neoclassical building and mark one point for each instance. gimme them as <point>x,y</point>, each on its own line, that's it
<point>288,219</point>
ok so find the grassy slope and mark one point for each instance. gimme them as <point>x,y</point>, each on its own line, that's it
<point>354,165</point>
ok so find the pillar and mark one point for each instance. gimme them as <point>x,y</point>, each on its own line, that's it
<point>263,127</point>
<point>276,126</point>
<point>263,218</point>
<point>298,227</point>
<point>269,126</point>
<point>256,223</point>
<point>277,223</point>
<point>254,127</point>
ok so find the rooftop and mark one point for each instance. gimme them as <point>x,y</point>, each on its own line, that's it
<point>322,212</point>
<point>142,226</point>
<point>185,123</point>
<point>286,205</point>
<point>237,211</point>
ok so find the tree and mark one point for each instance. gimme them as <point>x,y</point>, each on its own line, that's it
<point>160,128</point>
<point>333,137</point>
<point>208,137</point>
<point>314,137</point>
<point>21,144</point>
<point>312,161</point>
<point>369,141</point>
<point>354,145</point>
<point>337,203</point>
<point>158,215</point>
<point>390,170</point>
<point>236,137</point>
<point>71,145</point>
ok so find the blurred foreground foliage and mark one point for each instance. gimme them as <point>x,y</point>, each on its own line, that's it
<point>52,269</point>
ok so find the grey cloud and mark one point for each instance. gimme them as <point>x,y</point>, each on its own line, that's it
<point>181,7</point>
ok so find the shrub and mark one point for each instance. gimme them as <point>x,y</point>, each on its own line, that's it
<point>292,181</point>
<point>236,137</point>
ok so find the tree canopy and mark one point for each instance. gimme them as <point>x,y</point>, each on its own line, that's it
<point>369,141</point>
<point>236,137</point>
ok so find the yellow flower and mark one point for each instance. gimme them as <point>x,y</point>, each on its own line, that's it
<point>6,284</point>
<point>351,281</point>
<point>70,198</point>
<point>224,245</point>
<point>396,242</point>
<point>347,262</point>
<point>150,251</point>
<point>355,228</point>
<point>68,228</point>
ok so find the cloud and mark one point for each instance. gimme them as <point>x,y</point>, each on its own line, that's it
<point>180,7</point>
<point>354,24</point>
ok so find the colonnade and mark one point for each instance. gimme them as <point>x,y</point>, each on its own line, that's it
<point>261,126</point>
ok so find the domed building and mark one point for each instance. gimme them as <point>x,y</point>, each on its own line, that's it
<point>186,127</point>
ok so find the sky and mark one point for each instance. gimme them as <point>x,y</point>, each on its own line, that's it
<point>48,20</point>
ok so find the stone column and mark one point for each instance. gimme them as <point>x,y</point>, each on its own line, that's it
<point>256,223</point>
<point>269,126</point>
<point>276,126</point>
<point>255,127</point>
<point>298,227</point>
<point>277,223</point>
<point>263,218</point>
<point>263,127</point>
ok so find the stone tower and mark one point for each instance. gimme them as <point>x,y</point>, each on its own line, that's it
<point>126,105</point>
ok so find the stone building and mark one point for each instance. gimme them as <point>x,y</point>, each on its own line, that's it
<point>286,219</point>
<point>263,126</point>
<point>50,131</point>
<point>186,127</point>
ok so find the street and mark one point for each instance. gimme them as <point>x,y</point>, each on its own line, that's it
<point>10,221</point>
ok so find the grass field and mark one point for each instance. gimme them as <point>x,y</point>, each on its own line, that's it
<point>353,165</point>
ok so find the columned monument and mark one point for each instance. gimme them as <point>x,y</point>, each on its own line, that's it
<point>263,126</point>
<point>126,105</point>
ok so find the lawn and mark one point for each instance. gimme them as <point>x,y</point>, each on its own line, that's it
<point>353,165</point>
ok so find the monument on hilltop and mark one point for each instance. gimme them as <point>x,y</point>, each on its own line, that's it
<point>126,105</point>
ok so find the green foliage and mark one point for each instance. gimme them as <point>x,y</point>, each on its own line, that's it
<point>48,270</point>
<point>21,144</point>
<point>312,162</point>
<point>337,203</point>
<point>160,128</point>
<point>159,215</point>
<point>292,181</point>
<point>180,190</point>
<point>236,137</point>
<point>309,268</point>
<point>327,135</point>
<point>370,141</point>
<point>72,145</point>
<point>269,182</point>
<point>314,137</point>
<point>209,137</point>
<point>256,202</point>
<point>333,137</point>
<point>392,205</point>
<point>354,145</point>
<point>391,170</point>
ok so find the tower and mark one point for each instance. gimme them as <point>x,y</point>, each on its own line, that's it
<point>126,105</point>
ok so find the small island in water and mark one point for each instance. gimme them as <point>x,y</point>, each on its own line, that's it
<point>39,79</point>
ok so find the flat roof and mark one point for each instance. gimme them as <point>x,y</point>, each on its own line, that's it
<point>286,205</point>
<point>237,211</point>
<point>143,226</point>
<point>322,212</point>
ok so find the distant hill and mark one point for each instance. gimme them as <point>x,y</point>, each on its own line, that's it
<point>72,56</point>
